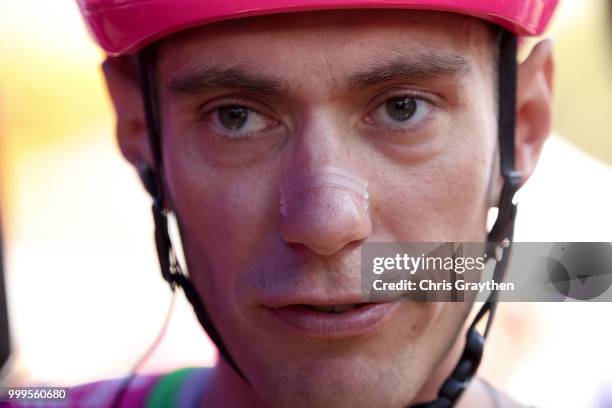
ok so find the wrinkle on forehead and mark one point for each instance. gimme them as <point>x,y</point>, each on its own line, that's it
<point>457,25</point>
<point>322,41</point>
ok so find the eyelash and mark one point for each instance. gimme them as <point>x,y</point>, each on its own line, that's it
<point>427,98</point>
<point>206,110</point>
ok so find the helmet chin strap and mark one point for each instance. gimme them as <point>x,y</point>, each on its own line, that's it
<point>502,231</point>
<point>153,182</point>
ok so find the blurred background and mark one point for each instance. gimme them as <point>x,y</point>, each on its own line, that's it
<point>84,292</point>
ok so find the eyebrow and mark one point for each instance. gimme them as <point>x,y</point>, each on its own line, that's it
<point>207,78</point>
<point>420,67</point>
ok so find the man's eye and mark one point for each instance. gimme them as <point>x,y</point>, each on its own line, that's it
<point>233,117</point>
<point>400,112</point>
<point>401,109</point>
<point>240,121</point>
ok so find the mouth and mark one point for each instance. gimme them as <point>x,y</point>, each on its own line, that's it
<point>334,308</point>
<point>335,320</point>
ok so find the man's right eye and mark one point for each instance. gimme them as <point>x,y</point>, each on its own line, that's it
<point>233,117</point>
<point>238,121</point>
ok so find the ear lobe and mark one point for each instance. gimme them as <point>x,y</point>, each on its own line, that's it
<point>124,91</point>
<point>534,100</point>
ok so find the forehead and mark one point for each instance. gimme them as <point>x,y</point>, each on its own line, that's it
<point>321,44</point>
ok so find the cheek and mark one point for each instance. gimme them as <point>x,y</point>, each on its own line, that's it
<point>216,209</point>
<point>443,198</point>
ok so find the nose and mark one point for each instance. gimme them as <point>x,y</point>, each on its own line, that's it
<point>324,211</point>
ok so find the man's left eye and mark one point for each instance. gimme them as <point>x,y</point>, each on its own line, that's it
<point>401,112</point>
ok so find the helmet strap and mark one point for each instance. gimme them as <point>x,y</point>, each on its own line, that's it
<point>153,181</point>
<point>502,232</point>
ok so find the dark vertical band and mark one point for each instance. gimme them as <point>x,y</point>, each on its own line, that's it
<point>5,340</point>
<point>506,127</point>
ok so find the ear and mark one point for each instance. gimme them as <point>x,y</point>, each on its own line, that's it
<point>533,110</point>
<point>122,84</point>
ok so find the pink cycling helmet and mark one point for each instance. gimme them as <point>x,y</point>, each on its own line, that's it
<point>126,26</point>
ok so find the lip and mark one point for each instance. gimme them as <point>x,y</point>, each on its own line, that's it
<point>361,320</point>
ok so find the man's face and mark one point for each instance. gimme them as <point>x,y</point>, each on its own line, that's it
<point>405,100</point>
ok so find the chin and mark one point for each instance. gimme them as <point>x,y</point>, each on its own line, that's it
<point>340,381</point>
<point>385,368</point>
